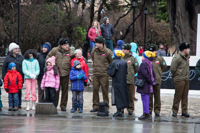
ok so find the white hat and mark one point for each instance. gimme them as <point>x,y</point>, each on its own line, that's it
<point>13,46</point>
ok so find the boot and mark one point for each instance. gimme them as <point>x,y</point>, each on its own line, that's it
<point>80,108</point>
<point>118,113</point>
<point>77,105</point>
<point>73,107</point>
<point>28,106</point>
<point>33,105</point>
<point>15,109</point>
<point>144,116</point>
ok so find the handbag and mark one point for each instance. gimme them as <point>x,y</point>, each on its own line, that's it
<point>139,82</point>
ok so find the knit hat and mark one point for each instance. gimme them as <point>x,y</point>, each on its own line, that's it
<point>119,44</point>
<point>11,65</point>
<point>47,45</point>
<point>126,46</point>
<point>76,62</point>
<point>152,47</point>
<point>184,46</point>
<point>52,60</point>
<point>13,46</point>
<point>99,39</point>
<point>62,41</point>
<point>118,53</point>
<point>148,54</point>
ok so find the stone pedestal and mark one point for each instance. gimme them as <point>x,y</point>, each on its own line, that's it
<point>45,108</point>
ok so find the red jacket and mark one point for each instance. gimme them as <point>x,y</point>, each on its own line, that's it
<point>84,66</point>
<point>92,34</point>
<point>13,81</point>
<point>141,50</point>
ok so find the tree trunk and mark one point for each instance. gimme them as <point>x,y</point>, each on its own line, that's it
<point>183,21</point>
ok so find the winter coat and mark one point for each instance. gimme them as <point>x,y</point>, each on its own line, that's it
<point>41,60</point>
<point>77,84</point>
<point>197,68</point>
<point>17,60</point>
<point>145,75</point>
<point>13,81</point>
<point>159,66</point>
<point>101,60</point>
<point>141,50</point>
<point>63,60</point>
<point>49,80</point>
<point>134,53</point>
<point>84,66</point>
<point>161,53</point>
<point>30,67</point>
<point>180,68</point>
<point>107,31</point>
<point>118,70</point>
<point>133,66</point>
<point>92,34</point>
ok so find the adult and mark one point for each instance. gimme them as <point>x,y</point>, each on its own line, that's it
<point>84,66</point>
<point>63,55</point>
<point>146,73</point>
<point>15,57</point>
<point>41,57</point>
<point>134,53</point>
<point>107,31</point>
<point>133,66</point>
<point>119,45</point>
<point>159,66</point>
<point>141,51</point>
<point>94,32</point>
<point>197,68</point>
<point>118,71</point>
<point>161,51</point>
<point>101,57</point>
<point>166,49</point>
<point>180,73</point>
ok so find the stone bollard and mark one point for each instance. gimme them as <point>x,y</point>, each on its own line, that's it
<point>45,108</point>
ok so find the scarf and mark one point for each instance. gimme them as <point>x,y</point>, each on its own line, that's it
<point>97,31</point>
<point>150,70</point>
<point>31,59</point>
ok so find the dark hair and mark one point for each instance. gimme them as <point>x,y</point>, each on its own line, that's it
<point>30,51</point>
<point>55,69</point>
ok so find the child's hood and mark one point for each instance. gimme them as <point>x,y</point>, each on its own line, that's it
<point>52,60</point>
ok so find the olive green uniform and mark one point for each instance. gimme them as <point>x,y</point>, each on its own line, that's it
<point>101,60</point>
<point>133,66</point>
<point>180,73</point>
<point>159,66</point>
<point>63,62</point>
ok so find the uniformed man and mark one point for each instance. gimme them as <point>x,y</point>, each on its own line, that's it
<point>159,66</point>
<point>101,57</point>
<point>133,66</point>
<point>180,73</point>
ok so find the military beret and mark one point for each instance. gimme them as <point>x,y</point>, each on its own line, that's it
<point>99,39</point>
<point>152,47</point>
<point>126,46</point>
<point>62,41</point>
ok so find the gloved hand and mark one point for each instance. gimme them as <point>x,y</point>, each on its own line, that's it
<point>34,76</point>
<point>85,84</point>
<point>7,90</point>
<point>80,76</point>
<point>20,90</point>
<point>31,76</point>
<point>154,83</point>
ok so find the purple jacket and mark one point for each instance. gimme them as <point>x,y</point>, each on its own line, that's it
<point>144,74</point>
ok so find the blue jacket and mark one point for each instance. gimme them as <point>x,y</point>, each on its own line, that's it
<point>134,53</point>
<point>30,67</point>
<point>77,84</point>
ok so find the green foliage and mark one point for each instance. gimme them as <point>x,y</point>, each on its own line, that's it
<point>80,34</point>
<point>162,13</point>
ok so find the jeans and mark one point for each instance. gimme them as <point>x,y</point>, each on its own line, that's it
<point>13,98</point>
<point>109,44</point>
<point>92,45</point>
<point>80,96</point>
<point>50,95</point>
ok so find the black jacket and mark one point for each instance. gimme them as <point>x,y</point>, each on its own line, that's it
<point>107,31</point>
<point>17,60</point>
<point>41,59</point>
<point>118,71</point>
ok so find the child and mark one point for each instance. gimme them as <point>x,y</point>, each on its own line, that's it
<point>31,70</point>
<point>13,84</point>
<point>77,77</point>
<point>51,80</point>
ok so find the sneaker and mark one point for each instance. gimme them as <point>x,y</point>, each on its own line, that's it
<point>15,109</point>
<point>174,115</point>
<point>186,115</point>
<point>94,110</point>
<point>10,109</point>
<point>144,116</point>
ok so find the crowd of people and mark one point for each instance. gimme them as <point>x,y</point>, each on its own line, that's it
<point>52,69</point>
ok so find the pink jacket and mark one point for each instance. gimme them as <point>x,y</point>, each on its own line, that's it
<point>92,34</point>
<point>49,80</point>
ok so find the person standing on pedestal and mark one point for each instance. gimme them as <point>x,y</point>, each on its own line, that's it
<point>101,57</point>
<point>180,73</point>
<point>159,66</point>
<point>63,55</point>
<point>107,31</point>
